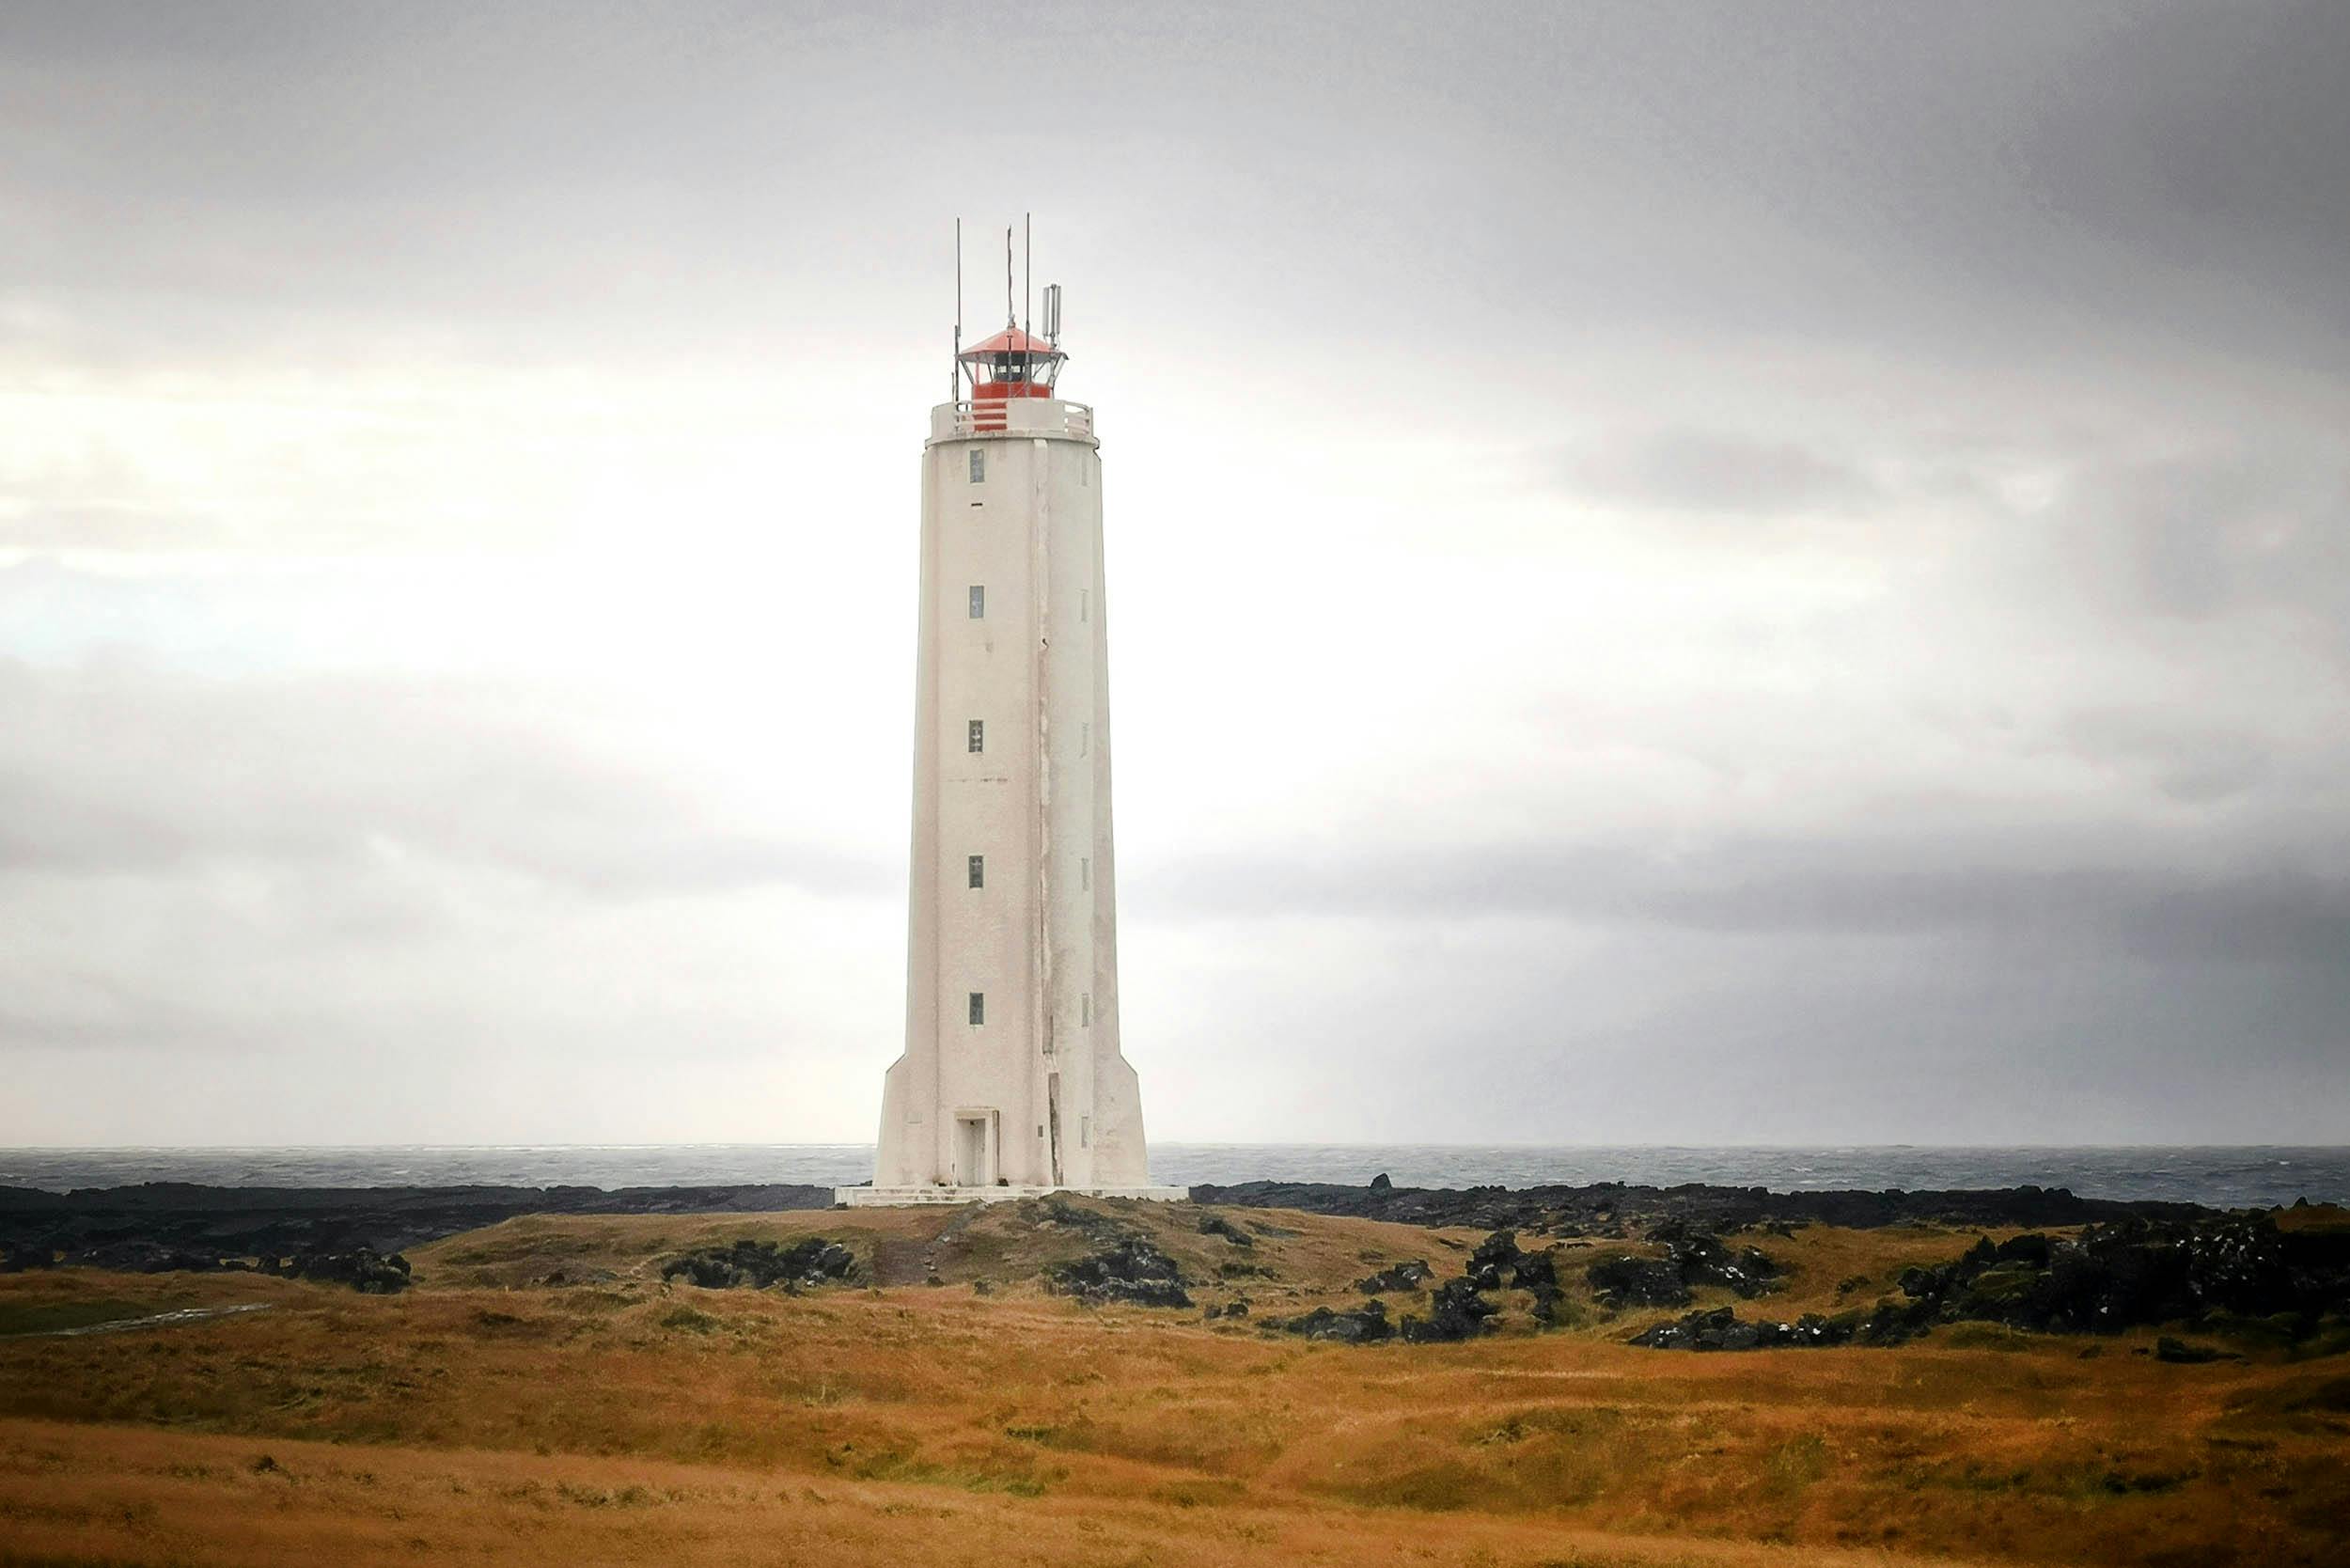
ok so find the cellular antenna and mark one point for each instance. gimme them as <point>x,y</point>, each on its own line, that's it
<point>1052,313</point>
<point>1027,271</point>
<point>954,365</point>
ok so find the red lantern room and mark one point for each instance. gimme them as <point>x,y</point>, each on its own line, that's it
<point>1011,364</point>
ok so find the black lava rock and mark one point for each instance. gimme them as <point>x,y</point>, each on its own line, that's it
<point>2141,1272</point>
<point>1599,1207</point>
<point>1722,1329</point>
<point>1214,1224</point>
<point>1397,1276</point>
<point>1364,1326</point>
<point>757,1264</point>
<point>156,1226</point>
<point>1494,1254</point>
<point>363,1268</point>
<point>1628,1281</point>
<point>1692,1258</point>
<point>2230,1269</point>
<point>1456,1312</point>
<point>1130,1269</point>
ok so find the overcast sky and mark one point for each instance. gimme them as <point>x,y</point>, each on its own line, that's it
<point>1758,573</point>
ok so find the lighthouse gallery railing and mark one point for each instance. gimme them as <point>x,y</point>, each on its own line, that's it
<point>1010,417</point>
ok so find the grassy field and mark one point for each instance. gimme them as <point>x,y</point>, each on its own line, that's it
<point>606,1416</point>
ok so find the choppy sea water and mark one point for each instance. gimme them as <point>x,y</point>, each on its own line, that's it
<point>2223,1177</point>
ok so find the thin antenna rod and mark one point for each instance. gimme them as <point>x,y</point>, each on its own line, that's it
<point>1027,271</point>
<point>954,365</point>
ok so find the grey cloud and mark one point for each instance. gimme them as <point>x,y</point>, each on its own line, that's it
<point>2189,761</point>
<point>1910,886</point>
<point>2195,536</point>
<point>1999,182</point>
<point>2210,142</point>
<point>1716,472</point>
<point>115,770</point>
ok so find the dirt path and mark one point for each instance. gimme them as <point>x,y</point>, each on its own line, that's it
<point>913,1259</point>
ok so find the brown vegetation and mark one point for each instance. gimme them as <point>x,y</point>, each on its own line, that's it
<point>489,1413</point>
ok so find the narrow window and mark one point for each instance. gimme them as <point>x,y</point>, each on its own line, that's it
<point>978,464</point>
<point>1085,1011</point>
<point>1085,875</point>
<point>979,735</point>
<point>979,603</point>
<point>1085,603</point>
<point>979,1007</point>
<point>1085,1131</point>
<point>978,871</point>
<point>1084,738</point>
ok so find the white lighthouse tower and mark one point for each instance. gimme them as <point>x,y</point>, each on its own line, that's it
<point>1011,1082</point>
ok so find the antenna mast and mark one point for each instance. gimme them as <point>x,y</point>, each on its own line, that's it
<point>954,365</point>
<point>1027,271</point>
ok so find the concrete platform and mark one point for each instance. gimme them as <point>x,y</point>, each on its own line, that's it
<point>884,1198</point>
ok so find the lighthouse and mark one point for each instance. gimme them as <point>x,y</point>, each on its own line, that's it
<point>1011,1082</point>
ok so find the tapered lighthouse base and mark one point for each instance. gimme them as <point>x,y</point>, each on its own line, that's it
<point>883,1198</point>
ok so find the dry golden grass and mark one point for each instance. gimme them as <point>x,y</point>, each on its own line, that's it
<point>96,1494</point>
<point>480,1414</point>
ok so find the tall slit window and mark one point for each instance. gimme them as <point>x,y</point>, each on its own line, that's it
<point>977,735</point>
<point>978,464</point>
<point>1085,1011</point>
<point>979,1007</point>
<point>1085,875</point>
<point>978,871</point>
<point>1085,603</point>
<point>1084,738</point>
<point>979,603</point>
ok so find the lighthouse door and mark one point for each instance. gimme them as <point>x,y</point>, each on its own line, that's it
<point>974,1165</point>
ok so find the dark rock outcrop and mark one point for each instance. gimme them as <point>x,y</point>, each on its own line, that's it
<point>1214,1224</point>
<point>1721,1328</point>
<point>2141,1272</point>
<point>1693,1259</point>
<point>1494,1254</point>
<point>1456,1312</point>
<point>1629,1281</point>
<point>1602,1208</point>
<point>159,1226</point>
<point>363,1268</point>
<point>1365,1325</point>
<point>1408,1275</point>
<point>757,1264</point>
<point>2235,1271</point>
<point>1130,1269</point>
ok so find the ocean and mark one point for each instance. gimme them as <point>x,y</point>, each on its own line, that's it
<point>2223,1177</point>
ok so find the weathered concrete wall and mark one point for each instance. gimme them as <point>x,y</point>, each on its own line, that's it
<point>1037,1093</point>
